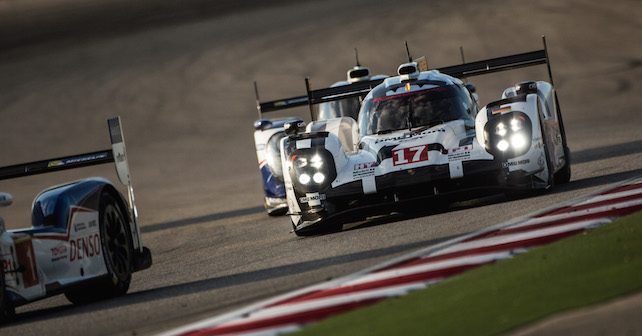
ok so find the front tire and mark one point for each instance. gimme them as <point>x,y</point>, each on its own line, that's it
<point>564,174</point>
<point>117,252</point>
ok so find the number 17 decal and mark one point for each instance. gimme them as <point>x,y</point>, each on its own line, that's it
<point>409,155</point>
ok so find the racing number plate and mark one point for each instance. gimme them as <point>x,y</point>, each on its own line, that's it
<point>409,155</point>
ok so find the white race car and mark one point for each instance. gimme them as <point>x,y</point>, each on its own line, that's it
<point>84,240</point>
<point>269,132</point>
<point>420,134</point>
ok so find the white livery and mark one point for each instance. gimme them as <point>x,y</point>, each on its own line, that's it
<point>419,135</point>
<point>84,240</point>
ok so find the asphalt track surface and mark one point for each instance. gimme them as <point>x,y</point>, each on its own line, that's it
<point>185,95</point>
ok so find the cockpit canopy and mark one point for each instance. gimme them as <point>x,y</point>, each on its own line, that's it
<point>417,104</point>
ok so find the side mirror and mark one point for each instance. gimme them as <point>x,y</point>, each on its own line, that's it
<point>5,199</point>
<point>262,124</point>
<point>294,127</point>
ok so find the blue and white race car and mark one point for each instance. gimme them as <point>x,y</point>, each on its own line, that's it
<point>84,240</point>
<point>420,134</point>
<point>269,132</point>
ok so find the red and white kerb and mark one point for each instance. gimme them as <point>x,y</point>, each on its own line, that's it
<point>289,312</point>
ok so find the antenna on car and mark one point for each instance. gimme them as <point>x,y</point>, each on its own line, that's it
<point>408,52</point>
<point>356,55</point>
<point>463,60</point>
<point>258,103</point>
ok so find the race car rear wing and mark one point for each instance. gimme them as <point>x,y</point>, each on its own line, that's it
<point>116,154</point>
<point>498,64</point>
<point>362,88</point>
<point>279,104</point>
<point>460,71</point>
<point>314,97</point>
<point>338,92</point>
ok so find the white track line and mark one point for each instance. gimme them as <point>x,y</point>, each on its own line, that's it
<point>611,196</point>
<point>430,266</point>
<point>578,213</point>
<point>272,331</point>
<point>511,238</point>
<point>315,304</point>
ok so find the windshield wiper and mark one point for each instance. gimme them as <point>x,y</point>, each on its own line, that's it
<point>385,131</point>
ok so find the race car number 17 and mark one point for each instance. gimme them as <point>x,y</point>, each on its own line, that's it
<point>409,155</point>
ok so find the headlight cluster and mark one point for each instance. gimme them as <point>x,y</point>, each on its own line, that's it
<point>313,169</point>
<point>508,135</point>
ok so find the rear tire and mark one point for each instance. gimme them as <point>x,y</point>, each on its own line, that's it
<point>564,174</point>
<point>118,254</point>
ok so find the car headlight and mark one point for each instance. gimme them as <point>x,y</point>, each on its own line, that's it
<point>318,178</point>
<point>508,135</point>
<point>304,179</point>
<point>500,129</point>
<point>502,145</point>
<point>316,161</point>
<point>312,168</point>
<point>518,141</point>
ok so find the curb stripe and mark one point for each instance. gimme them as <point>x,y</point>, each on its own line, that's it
<point>289,312</point>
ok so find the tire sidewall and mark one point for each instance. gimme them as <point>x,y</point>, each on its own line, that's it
<point>119,283</point>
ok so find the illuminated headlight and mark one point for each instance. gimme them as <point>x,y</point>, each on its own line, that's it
<point>304,179</point>
<point>502,145</point>
<point>515,125</point>
<point>312,169</point>
<point>318,178</point>
<point>316,161</point>
<point>508,135</point>
<point>518,141</point>
<point>501,130</point>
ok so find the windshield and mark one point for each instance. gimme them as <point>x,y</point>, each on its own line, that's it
<point>348,107</point>
<point>424,108</point>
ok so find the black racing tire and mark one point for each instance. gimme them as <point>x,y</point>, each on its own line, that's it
<point>564,174</point>
<point>118,254</point>
<point>7,310</point>
<point>548,158</point>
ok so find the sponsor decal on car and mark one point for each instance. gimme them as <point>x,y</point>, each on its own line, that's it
<point>59,253</point>
<point>6,263</point>
<point>84,247</point>
<point>460,153</point>
<point>313,199</point>
<point>364,169</point>
<point>80,226</point>
<point>410,135</point>
<point>120,157</point>
<point>516,163</point>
